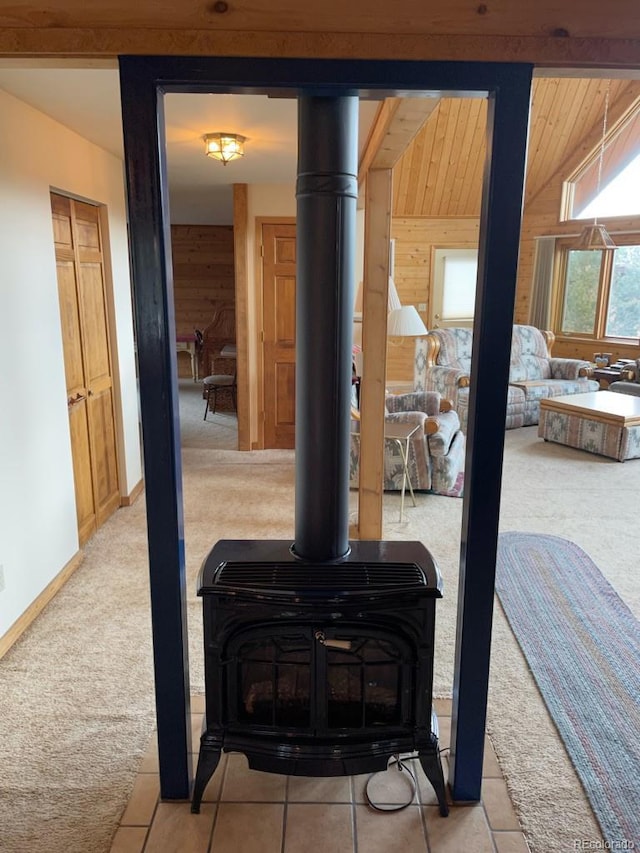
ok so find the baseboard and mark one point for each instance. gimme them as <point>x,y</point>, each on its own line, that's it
<point>134,494</point>
<point>36,607</point>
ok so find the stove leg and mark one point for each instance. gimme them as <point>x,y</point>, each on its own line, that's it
<point>432,766</point>
<point>208,760</point>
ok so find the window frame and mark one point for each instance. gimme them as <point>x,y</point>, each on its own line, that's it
<point>563,246</point>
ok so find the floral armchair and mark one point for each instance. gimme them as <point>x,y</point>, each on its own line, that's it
<point>443,364</point>
<point>436,450</point>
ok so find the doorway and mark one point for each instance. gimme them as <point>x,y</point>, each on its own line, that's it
<point>144,80</point>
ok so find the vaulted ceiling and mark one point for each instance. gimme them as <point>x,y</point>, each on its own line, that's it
<point>440,173</point>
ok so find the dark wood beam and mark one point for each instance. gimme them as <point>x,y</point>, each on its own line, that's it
<point>143,128</point>
<point>507,125</point>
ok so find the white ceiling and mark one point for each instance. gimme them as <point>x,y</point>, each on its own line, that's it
<point>87,100</point>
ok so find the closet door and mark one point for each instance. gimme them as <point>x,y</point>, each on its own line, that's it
<point>85,335</point>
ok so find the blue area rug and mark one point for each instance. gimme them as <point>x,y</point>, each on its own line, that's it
<point>582,644</point>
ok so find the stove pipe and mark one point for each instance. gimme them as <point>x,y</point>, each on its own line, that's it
<point>326,192</point>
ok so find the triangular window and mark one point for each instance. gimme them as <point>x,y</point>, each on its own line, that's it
<point>613,187</point>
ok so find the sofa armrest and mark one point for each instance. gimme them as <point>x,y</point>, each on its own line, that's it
<point>441,428</point>
<point>441,431</point>
<point>569,368</point>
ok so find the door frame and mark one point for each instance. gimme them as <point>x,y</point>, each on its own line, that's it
<point>144,80</point>
<point>259,313</point>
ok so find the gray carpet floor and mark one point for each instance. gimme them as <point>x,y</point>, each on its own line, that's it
<point>76,692</point>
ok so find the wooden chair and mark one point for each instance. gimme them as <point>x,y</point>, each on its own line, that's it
<point>219,372</point>
<point>214,383</point>
<point>220,332</point>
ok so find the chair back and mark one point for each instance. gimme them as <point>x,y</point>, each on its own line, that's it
<point>220,332</point>
<point>529,355</point>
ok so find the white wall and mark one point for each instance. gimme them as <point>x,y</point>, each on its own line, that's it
<point>38,528</point>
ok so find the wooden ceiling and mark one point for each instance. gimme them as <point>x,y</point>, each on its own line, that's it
<point>440,174</point>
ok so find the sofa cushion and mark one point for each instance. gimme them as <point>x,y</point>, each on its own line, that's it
<point>540,389</point>
<point>455,347</point>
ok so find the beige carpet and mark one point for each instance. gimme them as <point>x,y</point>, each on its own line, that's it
<point>76,693</point>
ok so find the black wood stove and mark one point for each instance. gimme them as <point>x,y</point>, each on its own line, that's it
<point>319,654</point>
<point>319,669</point>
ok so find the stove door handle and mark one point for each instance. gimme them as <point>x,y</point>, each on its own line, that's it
<point>343,645</point>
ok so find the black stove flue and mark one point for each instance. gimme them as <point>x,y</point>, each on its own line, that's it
<point>319,654</point>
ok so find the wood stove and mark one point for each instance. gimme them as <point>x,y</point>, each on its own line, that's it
<point>319,669</point>
<point>319,654</point>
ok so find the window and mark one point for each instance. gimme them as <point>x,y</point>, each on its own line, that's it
<point>599,292</point>
<point>454,287</point>
<point>610,187</point>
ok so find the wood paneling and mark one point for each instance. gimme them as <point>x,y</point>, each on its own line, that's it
<point>543,200</point>
<point>203,273</point>
<point>397,122</point>
<point>203,277</point>
<point>550,31</point>
<point>549,50</point>
<point>415,240</point>
<point>566,124</point>
<point>440,175</point>
<point>617,19</point>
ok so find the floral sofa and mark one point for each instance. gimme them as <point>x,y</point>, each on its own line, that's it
<point>436,451</point>
<point>630,386</point>
<point>443,364</point>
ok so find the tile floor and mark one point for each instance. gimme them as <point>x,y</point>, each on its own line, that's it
<point>244,811</point>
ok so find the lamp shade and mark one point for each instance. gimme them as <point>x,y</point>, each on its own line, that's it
<point>595,237</point>
<point>405,322</point>
<point>224,146</point>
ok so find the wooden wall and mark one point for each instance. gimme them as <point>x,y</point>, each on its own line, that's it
<point>542,212</point>
<point>438,186</point>
<point>203,276</point>
<point>566,126</point>
<point>416,238</point>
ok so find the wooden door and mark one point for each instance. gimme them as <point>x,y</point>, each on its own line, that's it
<point>85,336</point>
<point>279,330</point>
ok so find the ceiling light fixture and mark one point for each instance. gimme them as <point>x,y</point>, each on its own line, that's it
<point>224,146</point>
<point>596,236</point>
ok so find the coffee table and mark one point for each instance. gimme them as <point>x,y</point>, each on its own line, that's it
<point>599,422</point>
